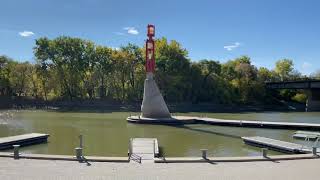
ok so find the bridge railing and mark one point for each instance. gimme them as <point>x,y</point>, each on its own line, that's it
<point>298,84</point>
<point>294,80</point>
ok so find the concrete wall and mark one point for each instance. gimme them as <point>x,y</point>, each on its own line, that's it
<point>153,104</point>
<point>313,102</point>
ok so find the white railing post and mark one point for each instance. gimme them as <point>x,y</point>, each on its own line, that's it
<point>154,147</point>
<point>130,147</point>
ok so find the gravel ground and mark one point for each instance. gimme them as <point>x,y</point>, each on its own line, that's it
<point>25,169</point>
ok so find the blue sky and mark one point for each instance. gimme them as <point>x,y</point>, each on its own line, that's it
<point>220,30</point>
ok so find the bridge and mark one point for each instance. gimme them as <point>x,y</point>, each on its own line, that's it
<point>311,86</point>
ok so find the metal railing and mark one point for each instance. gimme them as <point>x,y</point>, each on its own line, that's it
<point>133,156</point>
<point>293,80</point>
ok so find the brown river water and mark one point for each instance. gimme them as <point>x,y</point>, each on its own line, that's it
<point>107,134</point>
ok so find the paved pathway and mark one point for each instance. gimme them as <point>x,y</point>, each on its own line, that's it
<point>25,169</point>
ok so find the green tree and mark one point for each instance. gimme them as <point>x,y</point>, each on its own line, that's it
<point>20,78</point>
<point>71,59</point>
<point>283,68</point>
<point>103,66</point>
<point>5,86</point>
<point>173,68</point>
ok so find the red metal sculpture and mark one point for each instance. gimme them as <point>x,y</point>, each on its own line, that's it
<point>150,56</point>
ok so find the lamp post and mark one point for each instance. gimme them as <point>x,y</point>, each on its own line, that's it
<point>150,55</point>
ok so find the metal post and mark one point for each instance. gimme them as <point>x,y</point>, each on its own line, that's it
<point>16,151</point>
<point>130,147</point>
<point>204,153</point>
<point>314,151</point>
<point>81,141</point>
<point>79,153</point>
<point>265,152</point>
<point>154,148</point>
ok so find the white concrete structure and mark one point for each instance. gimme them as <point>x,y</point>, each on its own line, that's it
<point>30,169</point>
<point>153,104</point>
<point>313,101</point>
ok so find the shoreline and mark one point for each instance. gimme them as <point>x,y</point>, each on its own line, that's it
<point>199,159</point>
<point>98,105</point>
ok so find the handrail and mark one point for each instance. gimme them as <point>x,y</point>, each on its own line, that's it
<point>305,140</point>
<point>294,80</point>
<point>130,148</point>
<point>315,144</point>
<point>136,157</point>
<point>154,147</point>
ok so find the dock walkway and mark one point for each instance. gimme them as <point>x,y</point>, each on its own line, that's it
<point>22,140</point>
<point>225,122</point>
<point>277,145</point>
<point>260,124</point>
<point>306,135</point>
<point>141,149</point>
<point>30,169</point>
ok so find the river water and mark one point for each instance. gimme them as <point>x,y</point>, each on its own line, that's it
<point>107,134</point>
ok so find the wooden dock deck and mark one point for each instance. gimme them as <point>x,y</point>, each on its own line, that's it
<point>260,124</point>
<point>22,140</point>
<point>143,148</point>
<point>277,145</point>
<point>225,122</point>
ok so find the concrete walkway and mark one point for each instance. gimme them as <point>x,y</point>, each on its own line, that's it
<point>27,169</point>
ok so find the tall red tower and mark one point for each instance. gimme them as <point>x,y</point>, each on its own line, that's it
<point>150,55</point>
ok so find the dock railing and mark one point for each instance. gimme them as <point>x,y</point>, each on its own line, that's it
<point>154,147</point>
<point>130,148</point>
<point>131,155</point>
<point>315,144</point>
<point>306,140</point>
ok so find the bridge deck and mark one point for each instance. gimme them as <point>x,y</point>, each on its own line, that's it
<point>22,140</point>
<point>276,145</point>
<point>299,84</point>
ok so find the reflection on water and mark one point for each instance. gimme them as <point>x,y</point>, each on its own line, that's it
<point>107,134</point>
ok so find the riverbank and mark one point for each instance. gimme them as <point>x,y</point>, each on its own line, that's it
<point>43,169</point>
<point>98,105</point>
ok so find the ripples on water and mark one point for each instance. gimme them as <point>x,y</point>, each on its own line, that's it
<point>5,117</point>
<point>107,134</point>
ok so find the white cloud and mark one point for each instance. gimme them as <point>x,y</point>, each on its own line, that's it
<point>232,46</point>
<point>119,33</point>
<point>306,65</point>
<point>26,33</point>
<point>131,30</point>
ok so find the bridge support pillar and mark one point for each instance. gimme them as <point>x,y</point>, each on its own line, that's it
<point>313,101</point>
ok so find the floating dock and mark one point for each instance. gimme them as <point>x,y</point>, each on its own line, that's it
<point>143,149</point>
<point>260,124</point>
<point>306,135</point>
<point>173,120</point>
<point>225,122</point>
<point>277,145</point>
<point>22,140</point>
